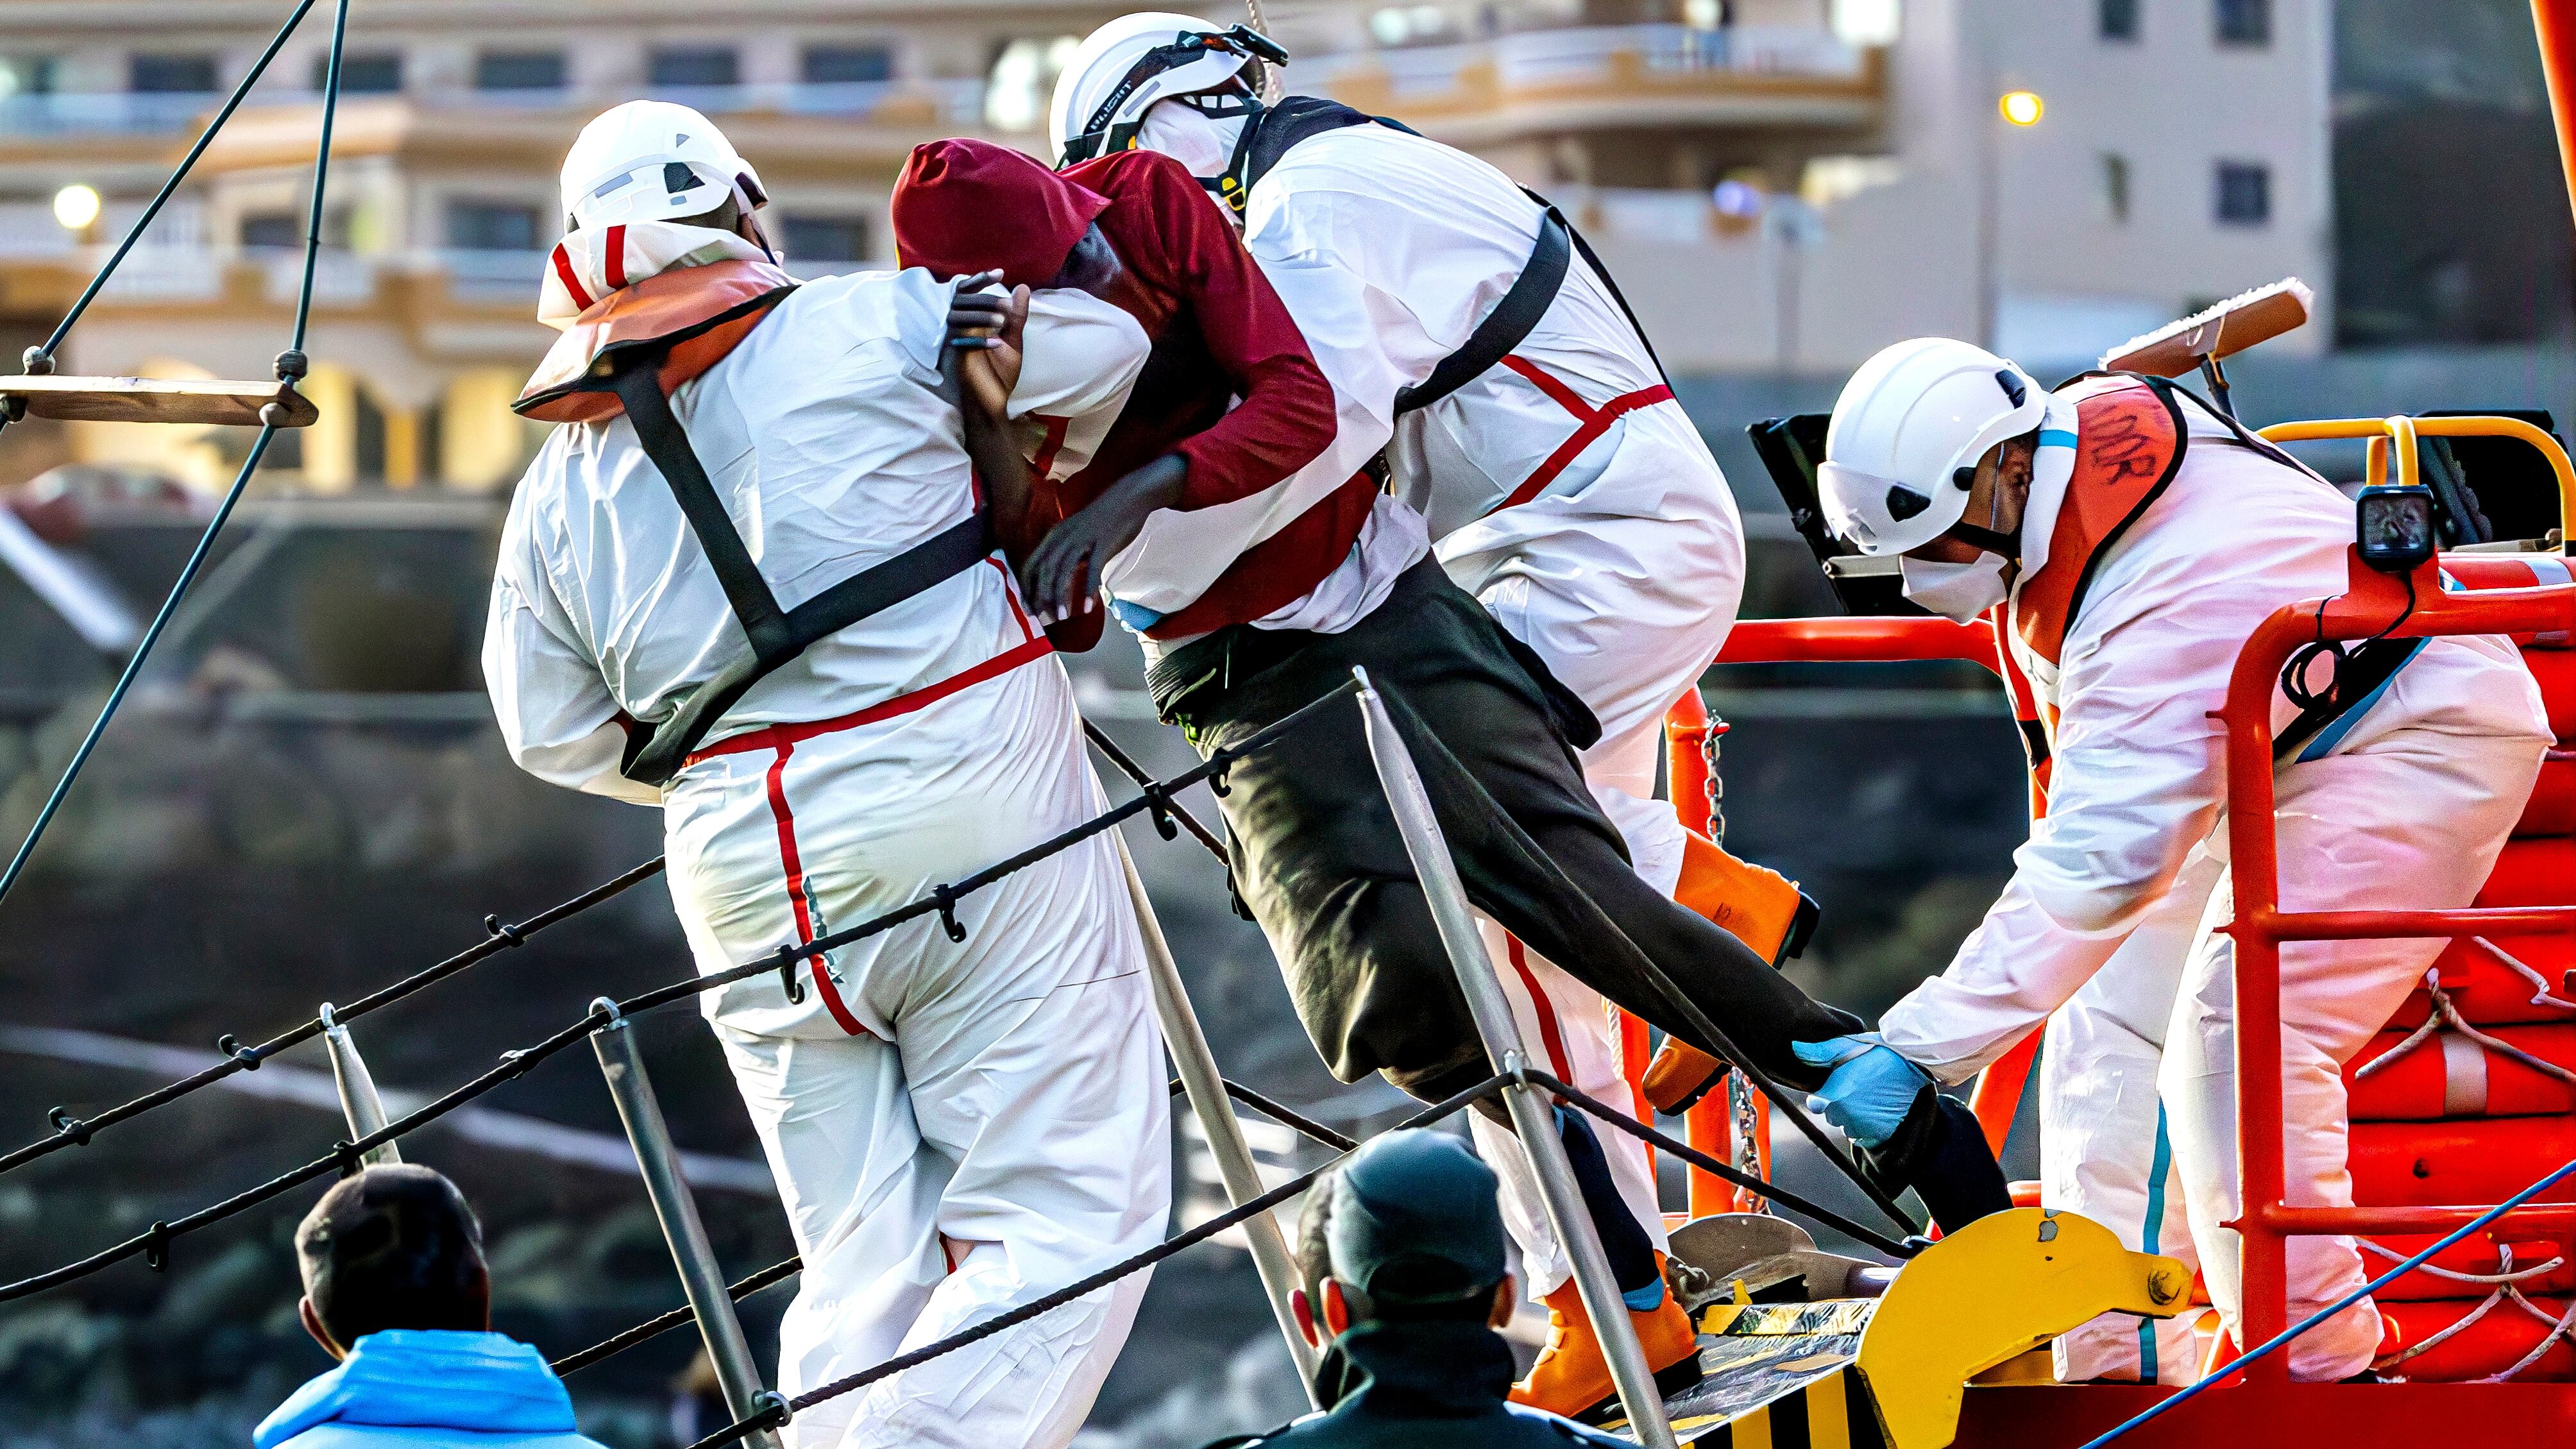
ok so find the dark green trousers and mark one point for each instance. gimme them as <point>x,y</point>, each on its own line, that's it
<point>1318,862</point>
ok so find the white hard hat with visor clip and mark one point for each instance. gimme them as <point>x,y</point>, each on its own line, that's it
<point>1132,64</point>
<point>653,161</point>
<point>1907,435</point>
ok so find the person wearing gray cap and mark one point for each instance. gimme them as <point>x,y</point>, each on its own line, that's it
<point>1401,1248</point>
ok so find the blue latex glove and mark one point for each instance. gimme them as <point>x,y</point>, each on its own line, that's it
<point>1871,1090</point>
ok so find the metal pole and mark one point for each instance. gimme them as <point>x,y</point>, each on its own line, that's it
<point>358,1099</point>
<point>1533,1116</point>
<point>1199,1078</point>
<point>623,1066</point>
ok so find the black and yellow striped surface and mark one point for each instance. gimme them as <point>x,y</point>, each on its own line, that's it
<point>1778,1376</point>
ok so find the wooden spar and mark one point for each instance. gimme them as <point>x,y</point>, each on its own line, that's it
<point>2554,21</point>
<point>158,400</point>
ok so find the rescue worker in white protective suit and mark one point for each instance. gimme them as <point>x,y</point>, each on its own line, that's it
<point>957,1126</point>
<point>2135,538</point>
<point>1563,485</point>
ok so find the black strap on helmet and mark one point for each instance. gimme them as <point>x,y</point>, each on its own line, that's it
<point>1099,138</point>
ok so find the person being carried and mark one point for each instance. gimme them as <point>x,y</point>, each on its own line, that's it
<point>396,1290</point>
<point>1468,333</point>
<point>1344,581</point>
<point>963,1113</point>
<point>2128,539</point>
<point>1401,1250</point>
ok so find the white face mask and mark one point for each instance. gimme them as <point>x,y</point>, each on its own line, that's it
<point>1202,145</point>
<point>1959,592</point>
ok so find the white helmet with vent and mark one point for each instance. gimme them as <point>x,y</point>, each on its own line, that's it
<point>1123,68</point>
<point>1907,432</point>
<point>653,161</point>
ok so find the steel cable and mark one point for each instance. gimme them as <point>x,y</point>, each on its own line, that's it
<point>153,1243</point>
<point>1082,1287</point>
<point>1726,1170</point>
<point>652,1328</point>
<point>1136,773</point>
<point>72,1131</point>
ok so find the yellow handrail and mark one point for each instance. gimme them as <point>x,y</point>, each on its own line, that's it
<point>2405,430</point>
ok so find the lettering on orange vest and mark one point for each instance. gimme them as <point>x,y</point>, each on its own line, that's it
<point>2129,443</point>
<point>2128,446</point>
<point>698,313</point>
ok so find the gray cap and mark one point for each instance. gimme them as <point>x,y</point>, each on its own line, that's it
<point>1415,1222</point>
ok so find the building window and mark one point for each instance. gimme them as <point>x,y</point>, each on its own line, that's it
<point>361,75</point>
<point>825,238</point>
<point>2245,22</point>
<point>2244,193</point>
<point>519,70</point>
<point>695,65</point>
<point>272,229</point>
<point>2118,19</point>
<point>491,226</point>
<point>827,65</point>
<point>26,75</point>
<point>171,74</point>
<point>2115,187</point>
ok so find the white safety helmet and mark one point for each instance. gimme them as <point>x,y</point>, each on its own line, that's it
<point>653,161</point>
<point>1123,68</point>
<point>1908,430</point>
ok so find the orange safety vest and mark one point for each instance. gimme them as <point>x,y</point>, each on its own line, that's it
<point>2129,445</point>
<point>702,312</point>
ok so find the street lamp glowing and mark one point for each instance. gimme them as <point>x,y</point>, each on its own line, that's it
<point>76,206</point>
<point>2022,108</point>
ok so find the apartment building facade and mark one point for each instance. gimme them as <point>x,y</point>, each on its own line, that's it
<point>1782,184</point>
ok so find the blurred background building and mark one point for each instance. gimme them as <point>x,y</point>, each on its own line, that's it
<point>1792,182</point>
<point>308,795</point>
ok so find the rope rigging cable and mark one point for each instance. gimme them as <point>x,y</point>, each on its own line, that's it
<point>44,394</point>
<point>153,1243</point>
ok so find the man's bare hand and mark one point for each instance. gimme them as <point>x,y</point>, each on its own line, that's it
<point>1059,577</point>
<point>984,346</point>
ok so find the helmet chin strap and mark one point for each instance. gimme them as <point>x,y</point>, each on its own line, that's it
<point>1993,540</point>
<point>1229,186</point>
<point>2002,545</point>
<point>1197,134</point>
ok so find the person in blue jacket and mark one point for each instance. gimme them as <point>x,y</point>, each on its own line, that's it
<point>395,1288</point>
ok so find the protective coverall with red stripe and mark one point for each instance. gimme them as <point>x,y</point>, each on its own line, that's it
<point>2109,930</point>
<point>956,1128</point>
<point>1564,488</point>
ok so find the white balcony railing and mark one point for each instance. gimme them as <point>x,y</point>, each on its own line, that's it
<point>1591,56</point>
<point>62,113</point>
<point>28,229</point>
<point>163,274</point>
<point>492,276</point>
<point>73,113</point>
<point>949,102</point>
<point>339,277</point>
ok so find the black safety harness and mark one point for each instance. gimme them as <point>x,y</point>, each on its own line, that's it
<point>774,636</point>
<point>2359,670</point>
<point>1267,138</point>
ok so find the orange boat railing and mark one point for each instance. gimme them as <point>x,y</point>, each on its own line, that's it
<point>2366,608</point>
<point>1868,640</point>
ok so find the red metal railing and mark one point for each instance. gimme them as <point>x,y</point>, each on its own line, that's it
<point>2261,926</point>
<point>1708,1126</point>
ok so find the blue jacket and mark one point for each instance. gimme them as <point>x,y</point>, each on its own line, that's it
<point>421,1387</point>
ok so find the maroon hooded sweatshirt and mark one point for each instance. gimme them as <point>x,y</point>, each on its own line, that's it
<point>1218,333</point>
